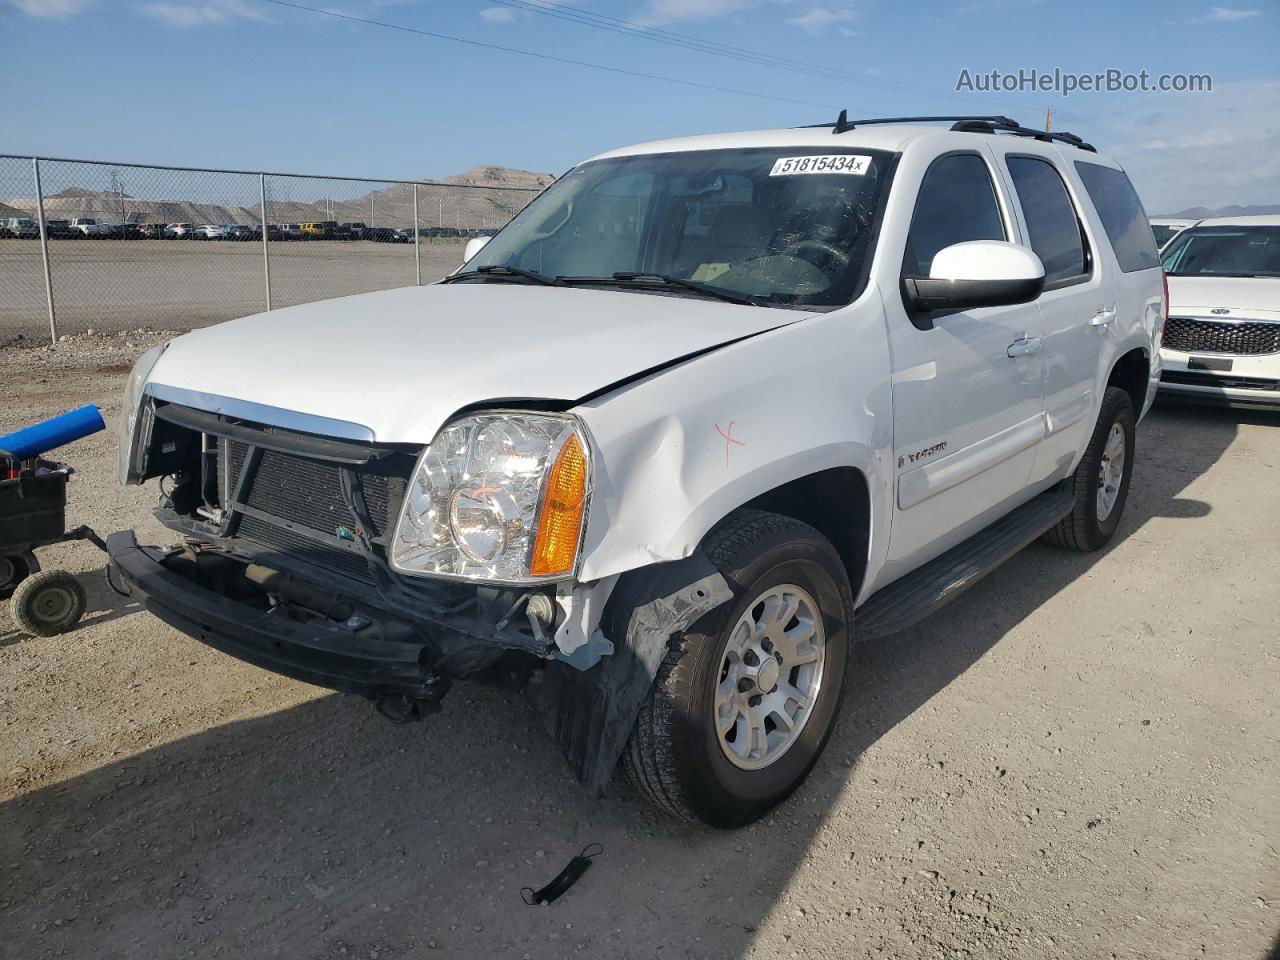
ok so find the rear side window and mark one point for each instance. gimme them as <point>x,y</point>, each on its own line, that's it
<point>957,202</point>
<point>1122,217</point>
<point>1052,223</point>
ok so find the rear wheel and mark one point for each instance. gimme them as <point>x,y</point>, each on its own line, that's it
<point>746,699</point>
<point>48,603</point>
<point>1101,481</point>
<point>14,569</point>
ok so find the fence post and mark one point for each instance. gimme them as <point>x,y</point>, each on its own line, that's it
<point>417,250</point>
<point>266,244</point>
<point>44,250</point>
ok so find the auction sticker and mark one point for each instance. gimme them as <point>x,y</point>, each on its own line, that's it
<point>832,163</point>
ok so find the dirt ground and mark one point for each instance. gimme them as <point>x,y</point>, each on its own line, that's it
<point>1078,758</point>
<point>115,285</point>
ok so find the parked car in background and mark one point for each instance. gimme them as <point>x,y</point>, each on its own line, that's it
<point>313,230</point>
<point>273,231</point>
<point>403,235</point>
<point>60,229</point>
<point>1221,343</point>
<point>88,227</point>
<point>380,234</point>
<point>292,231</point>
<point>153,231</point>
<point>125,231</point>
<point>180,231</point>
<point>20,228</point>
<point>238,231</point>
<point>208,231</point>
<point>1165,229</point>
<point>779,377</point>
<point>353,231</point>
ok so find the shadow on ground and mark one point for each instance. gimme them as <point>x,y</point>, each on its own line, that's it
<point>323,831</point>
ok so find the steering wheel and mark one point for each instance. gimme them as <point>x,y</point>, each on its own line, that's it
<point>828,252</point>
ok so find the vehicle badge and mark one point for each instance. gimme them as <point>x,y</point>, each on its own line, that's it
<point>1219,311</point>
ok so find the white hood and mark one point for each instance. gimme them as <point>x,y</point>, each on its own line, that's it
<point>1243,296</point>
<point>400,362</point>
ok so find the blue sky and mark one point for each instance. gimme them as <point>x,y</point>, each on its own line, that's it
<point>250,84</point>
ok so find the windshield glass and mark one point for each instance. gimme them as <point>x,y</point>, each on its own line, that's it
<point>787,225</point>
<point>1224,252</point>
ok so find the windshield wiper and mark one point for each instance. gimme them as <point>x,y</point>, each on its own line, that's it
<point>503,270</point>
<point>661,278</point>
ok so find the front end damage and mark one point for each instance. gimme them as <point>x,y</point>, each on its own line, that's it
<point>285,565</point>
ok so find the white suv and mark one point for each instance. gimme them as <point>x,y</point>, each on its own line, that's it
<point>1222,341</point>
<point>704,413</point>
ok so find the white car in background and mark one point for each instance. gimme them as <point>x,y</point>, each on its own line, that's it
<point>208,231</point>
<point>1165,229</point>
<point>88,227</point>
<point>1222,339</point>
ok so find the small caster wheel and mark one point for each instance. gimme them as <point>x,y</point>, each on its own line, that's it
<point>49,603</point>
<point>14,569</point>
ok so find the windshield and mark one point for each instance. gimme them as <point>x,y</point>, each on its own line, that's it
<point>1224,252</point>
<point>789,225</point>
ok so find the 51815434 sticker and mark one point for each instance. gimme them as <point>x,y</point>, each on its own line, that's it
<point>847,163</point>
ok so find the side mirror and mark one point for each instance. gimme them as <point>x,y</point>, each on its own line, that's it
<point>474,246</point>
<point>977,273</point>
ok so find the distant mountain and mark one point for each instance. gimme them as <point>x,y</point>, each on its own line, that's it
<point>484,197</point>
<point>1235,210</point>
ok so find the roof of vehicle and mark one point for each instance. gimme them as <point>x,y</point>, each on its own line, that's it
<point>877,136</point>
<point>1173,221</point>
<point>1244,220</point>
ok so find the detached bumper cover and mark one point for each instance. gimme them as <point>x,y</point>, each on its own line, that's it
<point>327,656</point>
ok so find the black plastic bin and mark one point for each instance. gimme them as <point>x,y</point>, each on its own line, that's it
<point>33,510</point>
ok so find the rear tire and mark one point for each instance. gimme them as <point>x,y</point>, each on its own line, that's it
<point>726,734</point>
<point>14,569</point>
<point>48,603</point>
<point>1100,484</point>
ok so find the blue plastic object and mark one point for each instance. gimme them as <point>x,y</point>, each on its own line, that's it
<point>39,438</point>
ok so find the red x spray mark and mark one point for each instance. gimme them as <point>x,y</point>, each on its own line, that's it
<point>730,441</point>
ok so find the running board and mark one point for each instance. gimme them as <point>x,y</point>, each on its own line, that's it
<point>909,600</point>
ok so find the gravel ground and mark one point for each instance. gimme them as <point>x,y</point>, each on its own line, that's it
<point>114,285</point>
<point>1079,758</point>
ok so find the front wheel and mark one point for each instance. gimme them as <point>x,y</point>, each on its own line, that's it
<point>48,603</point>
<point>1101,481</point>
<point>746,699</point>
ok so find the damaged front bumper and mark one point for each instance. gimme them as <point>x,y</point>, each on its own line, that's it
<point>346,656</point>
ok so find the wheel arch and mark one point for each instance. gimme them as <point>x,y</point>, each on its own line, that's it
<point>1131,372</point>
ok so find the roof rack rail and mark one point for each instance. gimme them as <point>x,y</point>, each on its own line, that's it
<point>843,124</point>
<point>992,125</point>
<point>964,124</point>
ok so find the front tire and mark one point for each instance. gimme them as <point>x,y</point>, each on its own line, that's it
<point>746,699</point>
<point>48,603</point>
<point>1101,481</point>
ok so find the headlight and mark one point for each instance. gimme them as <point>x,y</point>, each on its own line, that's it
<point>133,425</point>
<point>499,496</point>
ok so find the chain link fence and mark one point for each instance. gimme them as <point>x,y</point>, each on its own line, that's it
<point>93,246</point>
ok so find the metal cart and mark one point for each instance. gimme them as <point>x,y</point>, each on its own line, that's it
<point>33,514</point>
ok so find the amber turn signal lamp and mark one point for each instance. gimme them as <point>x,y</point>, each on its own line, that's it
<point>560,523</point>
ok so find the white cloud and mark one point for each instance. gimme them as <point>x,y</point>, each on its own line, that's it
<point>51,9</point>
<point>669,11</point>
<point>203,14</point>
<point>820,20</point>
<point>1201,149</point>
<point>498,14</point>
<point>1229,14</point>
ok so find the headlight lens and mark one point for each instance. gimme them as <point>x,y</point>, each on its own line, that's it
<point>132,422</point>
<point>498,496</point>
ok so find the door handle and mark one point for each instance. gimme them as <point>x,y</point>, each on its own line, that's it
<point>1104,316</point>
<point>1024,347</point>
